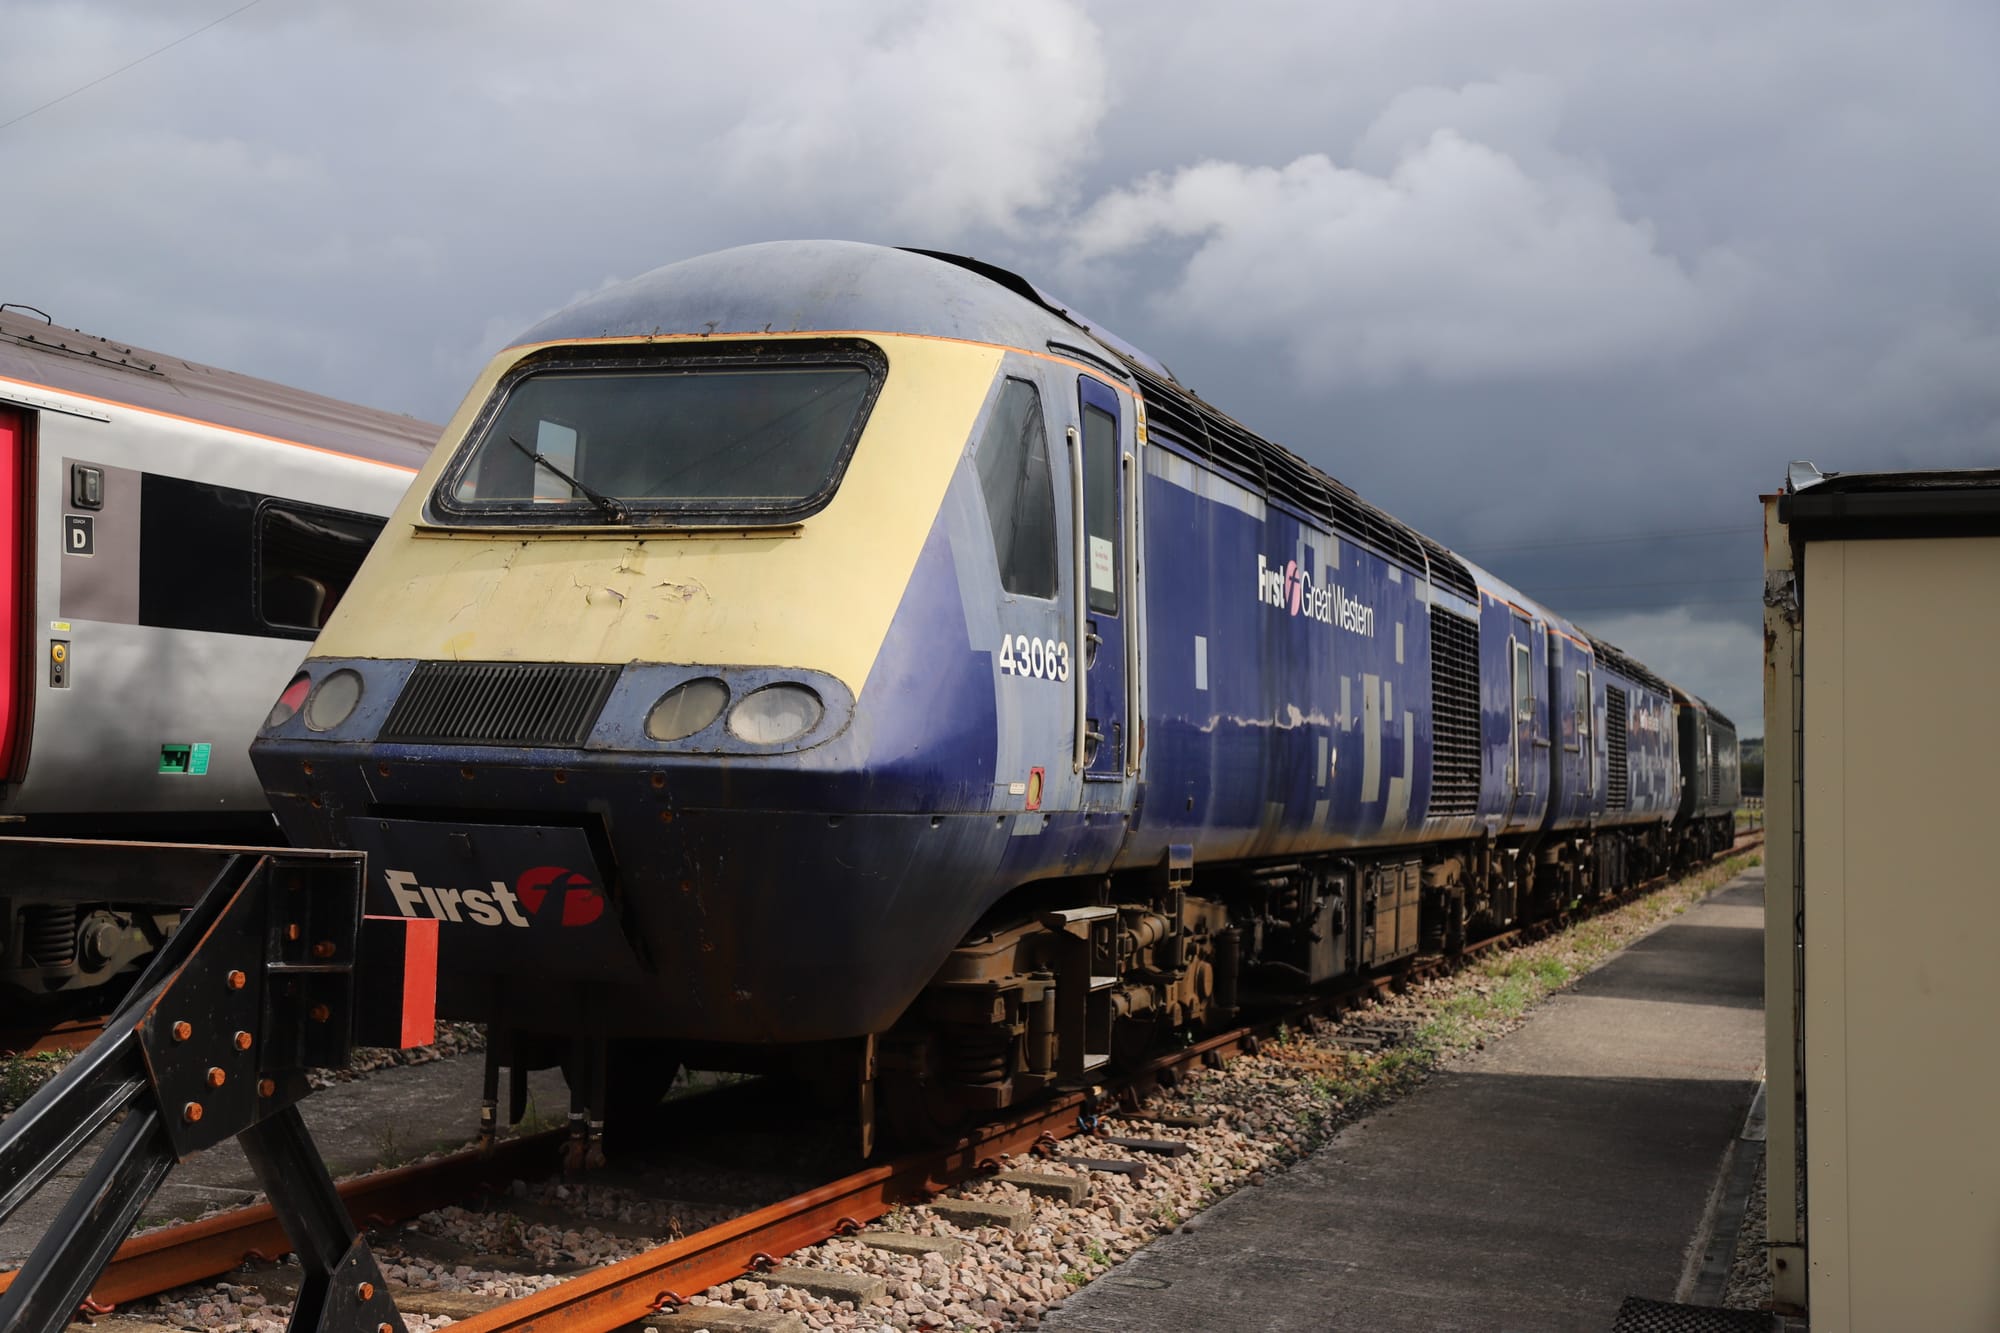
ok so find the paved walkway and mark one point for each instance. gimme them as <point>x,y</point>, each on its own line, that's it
<point>1532,1186</point>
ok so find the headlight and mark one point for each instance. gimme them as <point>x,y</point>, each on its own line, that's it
<point>288,702</point>
<point>775,714</point>
<point>686,709</point>
<point>334,699</point>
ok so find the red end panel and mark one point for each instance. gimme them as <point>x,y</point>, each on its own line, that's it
<point>395,993</point>
<point>420,971</point>
<point>15,642</point>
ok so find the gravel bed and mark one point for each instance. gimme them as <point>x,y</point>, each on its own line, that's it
<point>452,1039</point>
<point>1749,1284</point>
<point>1263,1112</point>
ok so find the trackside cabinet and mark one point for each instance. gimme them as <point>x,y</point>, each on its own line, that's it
<point>1882,619</point>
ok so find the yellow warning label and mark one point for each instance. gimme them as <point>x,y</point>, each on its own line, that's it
<point>59,626</point>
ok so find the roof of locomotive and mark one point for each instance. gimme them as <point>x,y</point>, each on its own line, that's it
<point>818,287</point>
<point>846,286</point>
<point>1611,655</point>
<point>39,352</point>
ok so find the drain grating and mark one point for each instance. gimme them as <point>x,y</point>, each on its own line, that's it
<point>1639,1315</point>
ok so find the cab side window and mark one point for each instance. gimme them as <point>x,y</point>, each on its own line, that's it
<point>1013,461</point>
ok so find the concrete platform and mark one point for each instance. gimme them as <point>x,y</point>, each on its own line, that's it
<point>1532,1186</point>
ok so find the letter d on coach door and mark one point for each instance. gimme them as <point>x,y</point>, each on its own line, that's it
<point>79,534</point>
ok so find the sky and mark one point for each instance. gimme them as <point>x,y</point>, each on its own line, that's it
<point>1564,284</point>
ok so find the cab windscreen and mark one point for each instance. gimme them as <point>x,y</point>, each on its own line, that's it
<point>755,438</point>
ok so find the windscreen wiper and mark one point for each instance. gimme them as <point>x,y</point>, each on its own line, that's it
<point>605,504</point>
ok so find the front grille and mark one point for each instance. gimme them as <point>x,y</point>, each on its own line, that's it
<point>48,934</point>
<point>1618,775</point>
<point>1454,714</point>
<point>499,703</point>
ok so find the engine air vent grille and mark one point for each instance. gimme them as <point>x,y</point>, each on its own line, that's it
<point>1177,414</point>
<point>1618,774</point>
<point>500,703</point>
<point>1454,714</point>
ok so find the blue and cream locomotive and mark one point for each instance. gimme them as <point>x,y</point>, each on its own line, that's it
<point>825,655</point>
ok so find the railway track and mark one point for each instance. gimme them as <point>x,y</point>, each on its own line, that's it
<point>663,1278</point>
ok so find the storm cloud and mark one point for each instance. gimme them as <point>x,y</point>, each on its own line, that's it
<point>1565,284</point>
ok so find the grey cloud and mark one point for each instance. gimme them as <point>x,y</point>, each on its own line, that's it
<point>1457,263</point>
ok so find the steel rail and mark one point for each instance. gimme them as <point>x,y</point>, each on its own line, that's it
<point>612,1297</point>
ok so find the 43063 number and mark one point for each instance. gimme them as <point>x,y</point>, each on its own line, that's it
<point>1037,659</point>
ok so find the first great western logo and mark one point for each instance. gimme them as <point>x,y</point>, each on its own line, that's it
<point>1291,589</point>
<point>543,896</point>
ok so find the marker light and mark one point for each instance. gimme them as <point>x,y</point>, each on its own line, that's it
<point>687,708</point>
<point>334,699</point>
<point>775,714</point>
<point>288,702</point>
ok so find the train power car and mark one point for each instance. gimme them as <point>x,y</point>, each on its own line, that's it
<point>826,656</point>
<point>171,537</point>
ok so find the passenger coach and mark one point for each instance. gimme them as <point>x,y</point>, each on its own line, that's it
<point>171,537</point>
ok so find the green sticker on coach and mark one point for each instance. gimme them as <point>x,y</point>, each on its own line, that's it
<point>186,760</point>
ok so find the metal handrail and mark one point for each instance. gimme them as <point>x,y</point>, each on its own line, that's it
<point>1080,573</point>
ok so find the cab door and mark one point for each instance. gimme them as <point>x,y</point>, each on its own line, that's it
<point>1101,472</point>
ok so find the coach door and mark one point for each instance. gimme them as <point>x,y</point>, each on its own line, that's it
<point>1101,473</point>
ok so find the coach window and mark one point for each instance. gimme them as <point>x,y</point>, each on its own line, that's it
<point>1524,685</point>
<point>1013,459</point>
<point>306,557</point>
